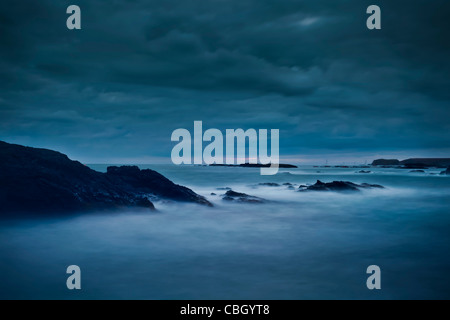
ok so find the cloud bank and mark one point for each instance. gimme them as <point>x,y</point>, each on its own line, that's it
<point>115,90</point>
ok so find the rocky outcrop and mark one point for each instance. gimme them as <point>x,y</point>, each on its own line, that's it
<point>38,180</point>
<point>231,195</point>
<point>446,172</point>
<point>152,183</point>
<point>269,184</point>
<point>338,186</point>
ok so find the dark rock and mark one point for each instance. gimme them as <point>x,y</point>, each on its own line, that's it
<point>333,186</point>
<point>446,172</point>
<point>38,180</point>
<point>364,171</point>
<point>386,162</point>
<point>269,184</point>
<point>231,195</point>
<point>151,182</point>
<point>417,171</point>
<point>213,194</point>
<point>339,186</point>
<point>289,186</point>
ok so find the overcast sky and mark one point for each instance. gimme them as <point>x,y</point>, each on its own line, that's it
<point>115,90</point>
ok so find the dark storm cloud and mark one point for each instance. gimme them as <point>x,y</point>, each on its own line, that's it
<point>139,69</point>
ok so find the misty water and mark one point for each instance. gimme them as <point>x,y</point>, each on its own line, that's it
<point>299,246</point>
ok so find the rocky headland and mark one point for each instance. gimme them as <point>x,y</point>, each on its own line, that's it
<point>36,180</point>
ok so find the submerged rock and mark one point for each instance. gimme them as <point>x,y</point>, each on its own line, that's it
<point>289,185</point>
<point>364,171</point>
<point>446,172</point>
<point>338,186</point>
<point>231,195</point>
<point>417,171</point>
<point>44,181</point>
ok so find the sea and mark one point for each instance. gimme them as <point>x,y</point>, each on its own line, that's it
<point>297,245</point>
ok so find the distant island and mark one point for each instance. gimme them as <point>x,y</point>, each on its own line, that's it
<point>254,165</point>
<point>414,162</point>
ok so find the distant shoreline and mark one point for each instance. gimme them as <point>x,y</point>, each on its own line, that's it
<point>414,163</point>
<point>254,165</point>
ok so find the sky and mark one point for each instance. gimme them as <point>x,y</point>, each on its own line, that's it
<point>114,91</point>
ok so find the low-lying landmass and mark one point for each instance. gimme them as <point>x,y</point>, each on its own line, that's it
<point>254,165</point>
<point>414,163</point>
<point>39,180</point>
